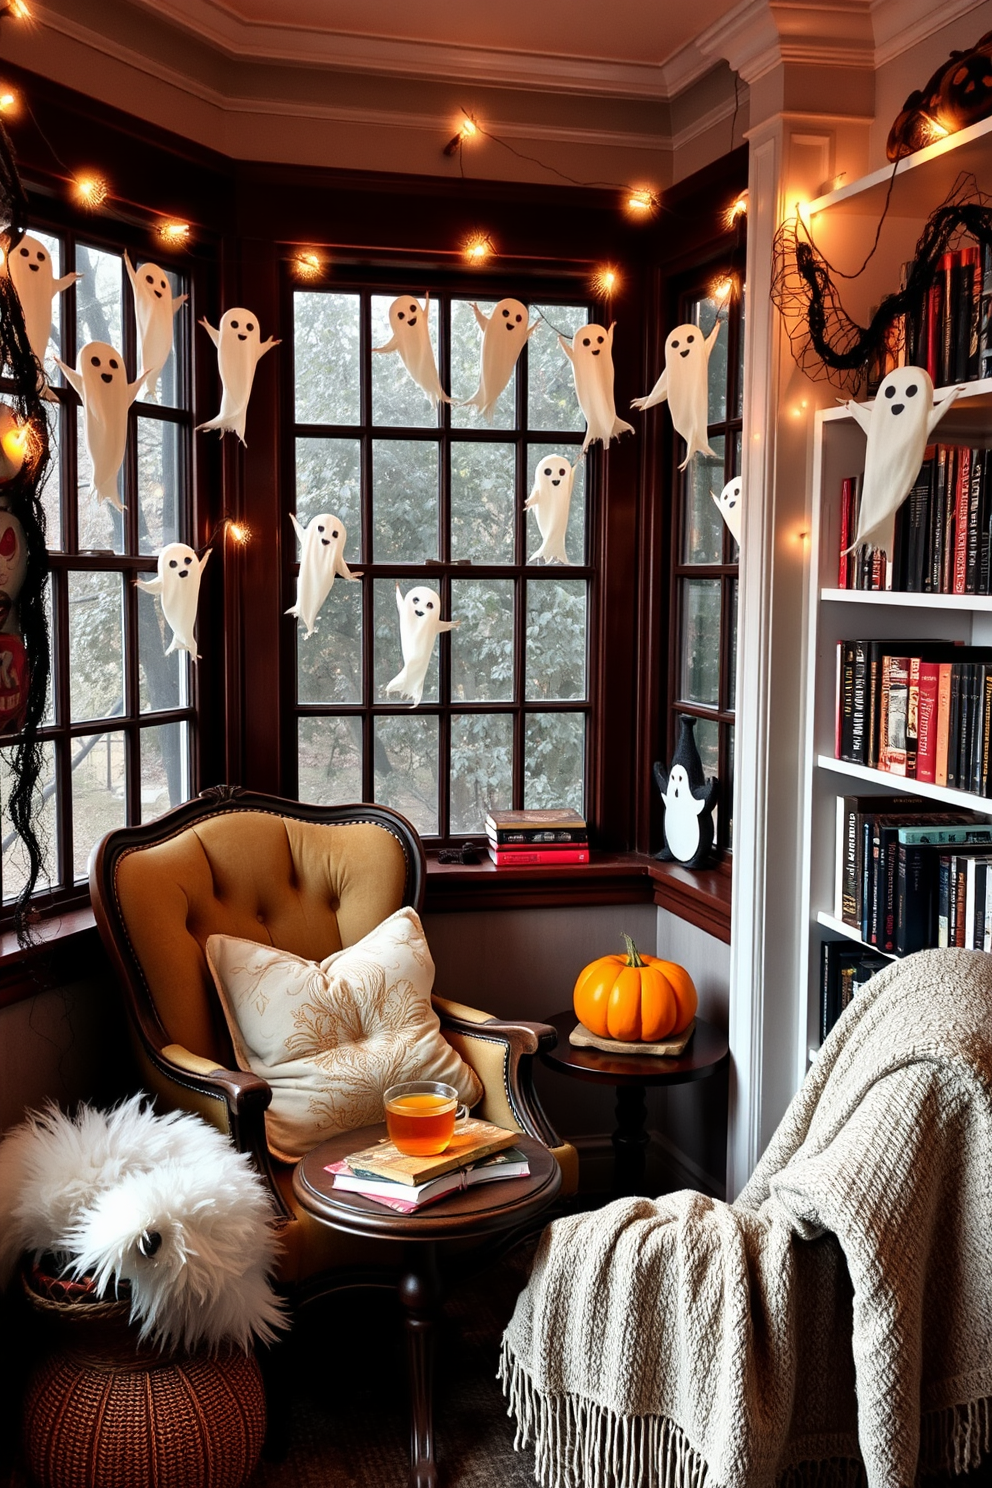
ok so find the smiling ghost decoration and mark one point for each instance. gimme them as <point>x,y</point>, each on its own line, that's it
<point>504,334</point>
<point>239,351</point>
<point>30,266</point>
<point>321,560</point>
<point>591,356</point>
<point>420,626</point>
<point>685,384</point>
<point>730,508</point>
<point>409,322</point>
<point>898,426</point>
<point>550,499</point>
<point>178,586</point>
<point>154,308</point>
<point>101,382</point>
<point>689,799</point>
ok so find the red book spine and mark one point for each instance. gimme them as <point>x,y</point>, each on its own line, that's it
<point>846,497</point>
<point>926,738</point>
<point>935,340</point>
<point>517,858</point>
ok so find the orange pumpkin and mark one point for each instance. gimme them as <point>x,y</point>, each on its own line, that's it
<point>634,998</point>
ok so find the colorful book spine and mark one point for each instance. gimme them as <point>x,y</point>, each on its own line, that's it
<point>544,858</point>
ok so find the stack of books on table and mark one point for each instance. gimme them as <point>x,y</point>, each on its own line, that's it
<point>548,838</point>
<point>479,1153</point>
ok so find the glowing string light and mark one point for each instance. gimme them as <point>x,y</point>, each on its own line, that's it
<point>478,247</point>
<point>736,210</point>
<point>8,101</point>
<point>240,533</point>
<point>91,191</point>
<point>308,264</point>
<point>641,202</point>
<point>605,282</point>
<point>467,130</point>
<point>173,234</point>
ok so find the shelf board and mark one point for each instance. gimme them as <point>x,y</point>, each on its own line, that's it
<point>962,799</point>
<point>941,163</point>
<point>830,922</point>
<point>900,599</point>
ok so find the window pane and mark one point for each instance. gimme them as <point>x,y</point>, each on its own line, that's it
<point>702,540</point>
<point>330,760</point>
<point>551,400</point>
<point>160,482</point>
<point>700,679</point>
<point>99,297</point>
<point>732,680</point>
<point>329,662</point>
<point>57,657</point>
<point>556,639</point>
<point>404,503</point>
<point>704,314</point>
<point>15,865</point>
<point>406,768</point>
<point>51,491</point>
<point>388,650</point>
<point>482,502</point>
<point>482,646</point>
<point>163,681</point>
<point>96,645</point>
<point>396,398</point>
<point>326,347</point>
<point>98,793</point>
<point>167,388</point>
<point>481,767</point>
<point>575,533</point>
<point>554,760</point>
<point>729,791</point>
<point>101,526</point>
<point>328,479</point>
<point>164,768</point>
<point>739,408</point>
<point>466,348</point>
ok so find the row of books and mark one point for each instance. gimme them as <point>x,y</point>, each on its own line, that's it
<point>943,537</point>
<point>480,1153</point>
<point>844,970</point>
<point>919,709</point>
<point>952,335</point>
<point>549,837</point>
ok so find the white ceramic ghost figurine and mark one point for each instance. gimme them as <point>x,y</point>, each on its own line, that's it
<point>178,587</point>
<point>685,383</point>
<point>154,308</point>
<point>410,324</point>
<point>101,382</point>
<point>550,498</point>
<point>239,351</point>
<point>682,813</point>
<point>730,508</point>
<point>898,425</point>
<point>321,560</point>
<point>420,626</point>
<point>30,265</point>
<point>591,356</point>
<point>504,335</point>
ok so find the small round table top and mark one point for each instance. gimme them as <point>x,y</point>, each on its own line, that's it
<point>479,1211</point>
<point>706,1052</point>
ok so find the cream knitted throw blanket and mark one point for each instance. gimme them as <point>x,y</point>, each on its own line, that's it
<point>834,1324</point>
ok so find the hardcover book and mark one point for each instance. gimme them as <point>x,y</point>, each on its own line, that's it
<point>406,1198</point>
<point>472,1139</point>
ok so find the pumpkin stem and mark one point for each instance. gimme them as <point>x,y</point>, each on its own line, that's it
<point>633,959</point>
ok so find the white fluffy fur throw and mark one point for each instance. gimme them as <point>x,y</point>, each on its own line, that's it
<point>834,1324</point>
<point>162,1202</point>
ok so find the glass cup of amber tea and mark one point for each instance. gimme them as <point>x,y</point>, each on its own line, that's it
<point>421,1116</point>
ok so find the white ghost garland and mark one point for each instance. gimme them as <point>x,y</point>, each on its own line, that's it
<point>321,560</point>
<point>101,381</point>
<point>898,425</point>
<point>154,309</point>
<point>410,324</point>
<point>550,499</point>
<point>504,335</point>
<point>30,268</point>
<point>730,507</point>
<point>178,586</point>
<point>591,356</point>
<point>685,384</point>
<point>239,351</point>
<point>420,626</point>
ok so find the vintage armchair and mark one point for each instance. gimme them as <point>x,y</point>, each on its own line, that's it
<point>309,880</point>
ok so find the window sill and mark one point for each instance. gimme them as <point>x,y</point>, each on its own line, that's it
<point>66,949</point>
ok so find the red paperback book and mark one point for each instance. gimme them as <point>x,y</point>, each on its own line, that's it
<point>526,858</point>
<point>926,737</point>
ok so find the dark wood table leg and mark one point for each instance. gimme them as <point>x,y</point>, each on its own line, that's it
<point>630,1140</point>
<point>420,1292</point>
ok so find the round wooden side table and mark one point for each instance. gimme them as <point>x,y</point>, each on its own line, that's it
<point>474,1214</point>
<point>707,1053</point>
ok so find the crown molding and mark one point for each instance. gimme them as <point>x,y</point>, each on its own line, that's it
<point>900,25</point>
<point>757,35</point>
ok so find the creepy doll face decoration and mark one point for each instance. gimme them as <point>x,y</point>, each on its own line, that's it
<point>100,379</point>
<point>729,506</point>
<point>240,348</point>
<point>685,384</point>
<point>591,356</point>
<point>420,626</point>
<point>550,499</point>
<point>321,560</point>
<point>177,584</point>
<point>154,308</point>
<point>504,334</point>
<point>13,568</point>
<point>30,266</point>
<point>409,322</point>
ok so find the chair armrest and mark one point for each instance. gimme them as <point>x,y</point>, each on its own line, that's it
<point>502,1054</point>
<point>245,1096</point>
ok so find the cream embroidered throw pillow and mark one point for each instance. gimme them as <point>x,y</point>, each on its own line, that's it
<point>331,1037</point>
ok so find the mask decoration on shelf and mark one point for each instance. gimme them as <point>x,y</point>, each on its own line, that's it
<point>550,499</point>
<point>958,94</point>
<point>685,384</point>
<point>177,585</point>
<point>30,266</point>
<point>591,356</point>
<point>100,379</point>
<point>898,426</point>
<point>321,561</point>
<point>730,508</point>
<point>154,308</point>
<point>409,321</point>
<point>504,335</point>
<point>689,799</point>
<point>239,351</point>
<point>420,626</point>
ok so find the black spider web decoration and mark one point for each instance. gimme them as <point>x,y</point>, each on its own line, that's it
<point>826,342</point>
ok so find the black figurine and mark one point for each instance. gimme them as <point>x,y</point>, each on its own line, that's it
<point>689,799</point>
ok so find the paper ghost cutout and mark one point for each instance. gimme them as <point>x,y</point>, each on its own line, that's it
<point>321,559</point>
<point>239,351</point>
<point>591,356</point>
<point>684,382</point>
<point>504,334</point>
<point>101,382</point>
<point>154,308</point>
<point>689,798</point>
<point>410,325</point>
<point>13,568</point>
<point>730,508</point>
<point>30,267</point>
<point>420,626</point>
<point>550,498</point>
<point>898,426</point>
<point>178,588</point>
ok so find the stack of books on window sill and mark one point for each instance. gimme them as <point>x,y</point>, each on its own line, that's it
<point>479,1153</point>
<point>546,838</point>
